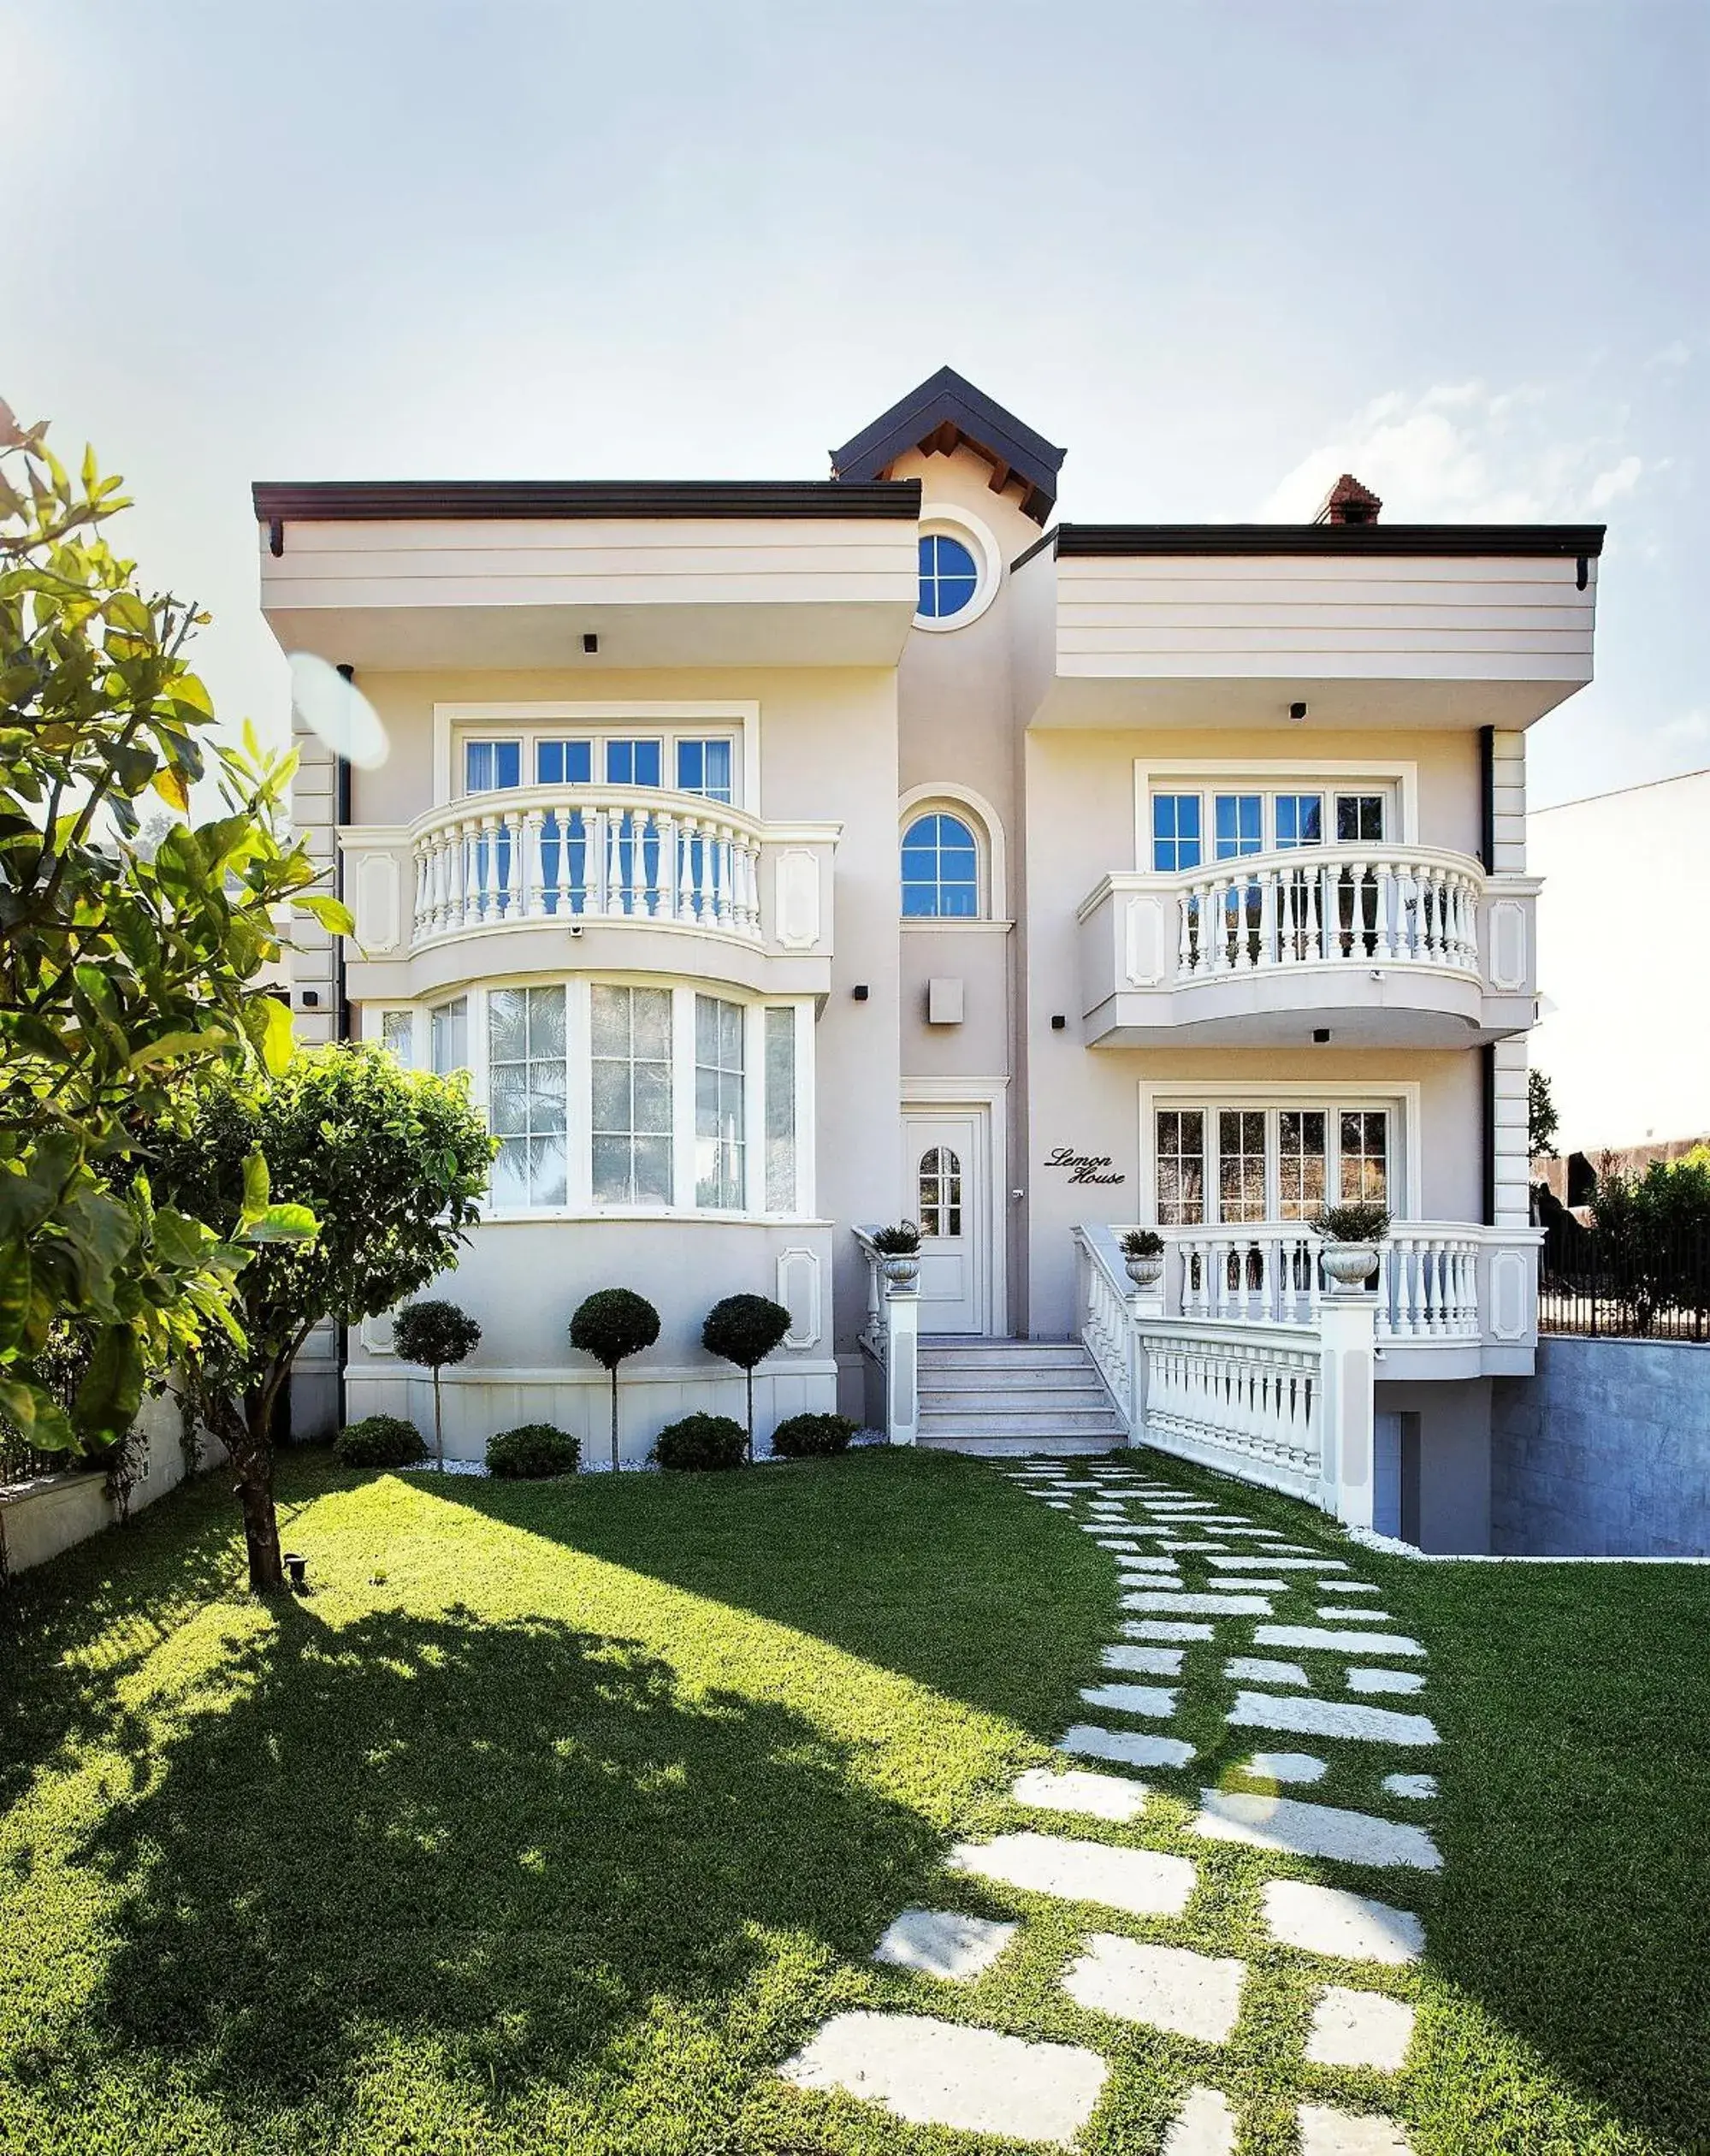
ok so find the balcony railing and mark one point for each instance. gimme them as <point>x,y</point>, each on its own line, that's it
<point>1329,906</point>
<point>1420,946</point>
<point>587,853</point>
<point>1269,1274</point>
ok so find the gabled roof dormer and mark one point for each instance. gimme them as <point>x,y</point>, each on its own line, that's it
<point>946,412</point>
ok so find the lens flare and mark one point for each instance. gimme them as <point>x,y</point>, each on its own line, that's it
<point>337,711</point>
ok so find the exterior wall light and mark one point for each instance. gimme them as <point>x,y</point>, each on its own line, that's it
<point>860,993</point>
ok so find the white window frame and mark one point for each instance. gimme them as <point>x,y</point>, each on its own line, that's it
<point>618,718</point>
<point>1400,1099</point>
<point>1399,781</point>
<point>949,520</point>
<point>992,867</point>
<point>579,1200</point>
<point>374,1018</point>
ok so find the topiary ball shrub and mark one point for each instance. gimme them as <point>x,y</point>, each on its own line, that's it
<point>532,1453</point>
<point>812,1436</point>
<point>700,1444</point>
<point>380,1441</point>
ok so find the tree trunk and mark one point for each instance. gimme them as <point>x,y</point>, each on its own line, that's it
<point>749,1374</point>
<point>260,1524</point>
<point>438,1439</point>
<point>245,1427</point>
<point>614,1418</point>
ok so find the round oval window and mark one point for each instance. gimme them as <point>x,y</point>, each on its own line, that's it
<point>949,576</point>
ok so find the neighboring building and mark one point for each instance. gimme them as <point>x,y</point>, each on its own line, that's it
<point>780,858</point>
<point>1625,1037</point>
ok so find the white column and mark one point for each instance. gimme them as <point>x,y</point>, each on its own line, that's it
<point>901,1383</point>
<point>1346,1378</point>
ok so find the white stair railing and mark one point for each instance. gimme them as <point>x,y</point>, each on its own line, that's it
<point>892,1338</point>
<point>1252,1406</point>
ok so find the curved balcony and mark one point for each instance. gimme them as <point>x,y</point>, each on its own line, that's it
<point>1408,946</point>
<point>631,877</point>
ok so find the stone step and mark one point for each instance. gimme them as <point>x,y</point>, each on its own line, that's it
<point>1021,1422</point>
<point>1022,1448</point>
<point>1063,1378</point>
<point>1004,1354</point>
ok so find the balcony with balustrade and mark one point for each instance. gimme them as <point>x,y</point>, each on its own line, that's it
<point>1382,945</point>
<point>630,878</point>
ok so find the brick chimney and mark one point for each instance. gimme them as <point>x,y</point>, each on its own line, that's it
<point>1349,503</point>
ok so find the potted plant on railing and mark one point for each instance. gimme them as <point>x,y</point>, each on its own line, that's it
<point>899,1253</point>
<point>1143,1255</point>
<point>1352,1234</point>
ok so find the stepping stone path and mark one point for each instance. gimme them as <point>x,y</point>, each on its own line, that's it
<point>1202,1610</point>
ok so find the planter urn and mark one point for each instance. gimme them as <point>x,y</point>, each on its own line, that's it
<point>1349,1266</point>
<point>901,1268</point>
<point>1146,1272</point>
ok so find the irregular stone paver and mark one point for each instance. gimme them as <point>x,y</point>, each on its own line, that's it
<point>1259,1669</point>
<point>1338,1614</point>
<point>1153,1701</point>
<point>1265,1563</point>
<point>1091,1795</point>
<point>1335,1642</point>
<point>1126,1747</point>
<point>1142,1881</point>
<point>1273,1583</point>
<point>1200,1605</point>
<point>941,1942</point>
<point>1385,1681</point>
<point>1330,1718</point>
<point>1297,1829</point>
<point>1150,1567</point>
<point>1416,1785</point>
<point>1204,2126</point>
<point>1158,1628</point>
<point>1347,1587</point>
<point>1327,2132</point>
<point>937,2073</point>
<point>1324,1920</point>
<point>1285,1767</point>
<point>1153,1661</point>
<point>1169,1988</point>
<point>1360,2028</point>
<point>1059,1504</point>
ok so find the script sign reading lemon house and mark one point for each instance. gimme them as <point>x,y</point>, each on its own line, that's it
<point>783,858</point>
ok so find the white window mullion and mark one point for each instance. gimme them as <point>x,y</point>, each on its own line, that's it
<point>578,1031</point>
<point>752,1196</point>
<point>683,1098</point>
<point>807,1130</point>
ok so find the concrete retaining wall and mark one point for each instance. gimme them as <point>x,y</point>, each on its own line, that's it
<point>1604,1453</point>
<point>42,1518</point>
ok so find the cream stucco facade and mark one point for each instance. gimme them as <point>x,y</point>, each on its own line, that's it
<point>997,1053</point>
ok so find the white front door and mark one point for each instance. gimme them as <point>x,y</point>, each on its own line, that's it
<point>945,1163</point>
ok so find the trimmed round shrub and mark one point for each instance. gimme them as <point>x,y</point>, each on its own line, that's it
<point>532,1452</point>
<point>700,1443</point>
<point>744,1329</point>
<point>812,1436</point>
<point>380,1441</point>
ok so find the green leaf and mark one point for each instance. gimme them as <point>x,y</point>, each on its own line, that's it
<point>112,1388</point>
<point>178,1047</point>
<point>282,1224</point>
<point>276,1041</point>
<point>37,1416</point>
<point>15,1287</point>
<point>172,790</point>
<point>334,916</point>
<point>256,1186</point>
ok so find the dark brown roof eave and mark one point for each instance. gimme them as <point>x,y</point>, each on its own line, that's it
<point>1490,540</point>
<point>400,501</point>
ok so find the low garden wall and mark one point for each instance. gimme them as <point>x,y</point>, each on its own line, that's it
<point>40,1518</point>
<point>1604,1453</point>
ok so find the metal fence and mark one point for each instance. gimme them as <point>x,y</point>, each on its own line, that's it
<point>1645,1282</point>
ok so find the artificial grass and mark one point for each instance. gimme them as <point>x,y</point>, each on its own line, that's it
<point>559,1814</point>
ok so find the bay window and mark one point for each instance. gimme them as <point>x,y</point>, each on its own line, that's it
<point>608,1094</point>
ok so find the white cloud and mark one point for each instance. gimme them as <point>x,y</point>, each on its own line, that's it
<point>1691,727</point>
<point>1462,452</point>
<point>1676,354</point>
<point>1619,479</point>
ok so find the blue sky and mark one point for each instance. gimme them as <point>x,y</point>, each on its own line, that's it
<point>1222,252</point>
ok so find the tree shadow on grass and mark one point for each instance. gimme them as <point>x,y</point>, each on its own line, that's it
<point>926,1564</point>
<point>506,1846</point>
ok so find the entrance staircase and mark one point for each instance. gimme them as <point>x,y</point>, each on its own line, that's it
<point>1001,1396</point>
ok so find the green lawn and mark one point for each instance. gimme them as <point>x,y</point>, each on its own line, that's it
<point>556,1815</point>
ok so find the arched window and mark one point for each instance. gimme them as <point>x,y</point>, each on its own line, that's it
<point>940,869</point>
<point>949,576</point>
<point>940,1192</point>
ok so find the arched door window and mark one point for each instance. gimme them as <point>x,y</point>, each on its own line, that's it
<point>939,1209</point>
<point>940,869</point>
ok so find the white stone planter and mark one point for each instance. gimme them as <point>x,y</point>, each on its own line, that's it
<point>1146,1272</point>
<point>1349,1266</point>
<point>902,1269</point>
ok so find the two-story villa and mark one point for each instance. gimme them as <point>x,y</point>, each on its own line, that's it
<point>781,858</point>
